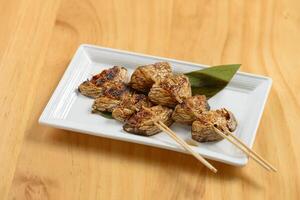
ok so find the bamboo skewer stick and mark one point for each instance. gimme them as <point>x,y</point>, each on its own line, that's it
<point>173,135</point>
<point>251,151</point>
<point>237,142</point>
<point>242,149</point>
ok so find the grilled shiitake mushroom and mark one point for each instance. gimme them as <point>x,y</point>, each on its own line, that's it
<point>171,90</point>
<point>187,111</point>
<point>112,96</point>
<point>145,76</point>
<point>116,73</point>
<point>94,88</point>
<point>87,88</point>
<point>142,122</point>
<point>129,106</point>
<point>203,129</point>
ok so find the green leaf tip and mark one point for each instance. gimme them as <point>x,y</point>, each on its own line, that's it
<point>107,115</point>
<point>209,81</point>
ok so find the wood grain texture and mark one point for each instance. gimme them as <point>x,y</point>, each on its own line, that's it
<point>38,39</point>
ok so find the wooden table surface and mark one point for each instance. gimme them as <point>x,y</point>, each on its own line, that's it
<point>37,41</point>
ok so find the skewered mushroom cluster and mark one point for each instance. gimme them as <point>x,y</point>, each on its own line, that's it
<point>130,103</point>
<point>145,76</point>
<point>100,82</point>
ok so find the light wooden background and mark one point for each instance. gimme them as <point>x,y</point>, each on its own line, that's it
<point>37,41</point>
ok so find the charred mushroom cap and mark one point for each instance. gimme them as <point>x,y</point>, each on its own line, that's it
<point>142,123</point>
<point>171,90</point>
<point>89,89</point>
<point>145,76</point>
<point>189,109</point>
<point>94,88</point>
<point>113,94</point>
<point>129,106</point>
<point>115,73</point>
<point>203,130</point>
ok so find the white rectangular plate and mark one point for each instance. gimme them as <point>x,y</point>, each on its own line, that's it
<point>245,96</point>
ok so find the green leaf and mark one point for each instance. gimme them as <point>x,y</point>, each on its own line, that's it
<point>210,81</point>
<point>107,115</point>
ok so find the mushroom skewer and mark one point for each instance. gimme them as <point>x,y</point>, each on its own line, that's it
<point>219,124</point>
<point>113,95</point>
<point>173,135</point>
<point>212,125</point>
<point>163,127</point>
<point>165,89</point>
